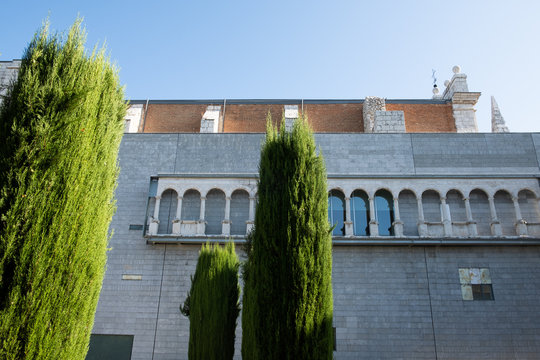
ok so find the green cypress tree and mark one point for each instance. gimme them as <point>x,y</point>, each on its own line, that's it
<point>287,306</point>
<point>212,304</point>
<point>60,128</point>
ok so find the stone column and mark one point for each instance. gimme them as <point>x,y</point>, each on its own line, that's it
<point>446,219</point>
<point>398,224</point>
<point>226,223</point>
<point>422,226</point>
<point>496,229</point>
<point>373,224</point>
<point>349,230</point>
<point>201,226</point>
<point>251,219</point>
<point>153,229</point>
<point>177,227</point>
<point>521,224</point>
<point>471,224</point>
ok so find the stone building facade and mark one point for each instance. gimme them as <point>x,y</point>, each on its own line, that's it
<point>436,250</point>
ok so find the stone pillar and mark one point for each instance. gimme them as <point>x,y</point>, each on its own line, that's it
<point>176,227</point>
<point>201,226</point>
<point>251,219</point>
<point>521,224</point>
<point>291,114</point>
<point>349,230</point>
<point>446,219</point>
<point>496,229</point>
<point>471,224</point>
<point>154,224</point>
<point>210,119</point>
<point>398,224</point>
<point>370,106</point>
<point>463,102</point>
<point>373,224</point>
<point>226,223</point>
<point>422,226</point>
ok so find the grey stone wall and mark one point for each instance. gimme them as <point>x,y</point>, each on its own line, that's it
<point>389,301</point>
<point>389,122</point>
<point>345,154</point>
<point>8,73</point>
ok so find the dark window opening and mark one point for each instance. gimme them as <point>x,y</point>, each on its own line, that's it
<point>482,292</point>
<point>336,212</point>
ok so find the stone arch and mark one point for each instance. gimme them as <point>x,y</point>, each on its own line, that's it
<point>167,211</point>
<point>454,199</point>
<point>239,214</point>
<point>166,189</point>
<point>384,210</point>
<point>528,204</point>
<point>216,188</point>
<point>191,205</point>
<point>360,212</point>
<point>408,210</point>
<point>214,211</point>
<point>505,212</point>
<point>480,211</point>
<point>336,211</point>
<point>431,204</point>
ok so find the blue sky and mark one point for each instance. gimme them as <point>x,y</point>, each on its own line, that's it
<point>306,49</point>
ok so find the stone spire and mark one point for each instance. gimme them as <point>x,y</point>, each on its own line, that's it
<point>497,121</point>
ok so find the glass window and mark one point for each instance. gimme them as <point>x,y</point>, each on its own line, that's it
<point>360,213</point>
<point>336,212</point>
<point>384,206</point>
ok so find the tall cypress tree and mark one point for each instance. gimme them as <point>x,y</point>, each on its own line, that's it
<point>287,306</point>
<point>212,304</point>
<point>60,128</point>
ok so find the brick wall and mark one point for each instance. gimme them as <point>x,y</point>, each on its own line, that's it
<point>250,117</point>
<point>323,117</point>
<point>335,117</point>
<point>426,117</point>
<point>171,118</point>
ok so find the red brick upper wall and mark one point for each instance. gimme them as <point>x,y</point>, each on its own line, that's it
<point>426,117</point>
<point>335,117</point>
<point>250,117</point>
<point>173,118</point>
<point>323,117</point>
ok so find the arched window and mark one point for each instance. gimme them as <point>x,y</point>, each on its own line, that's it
<point>239,212</point>
<point>408,210</point>
<point>191,205</point>
<point>167,211</point>
<point>336,212</point>
<point>480,211</point>
<point>214,212</point>
<point>360,213</point>
<point>528,206</point>
<point>505,212</point>
<point>384,206</point>
<point>431,203</point>
<point>455,202</point>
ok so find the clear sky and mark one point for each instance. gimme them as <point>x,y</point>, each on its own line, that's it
<point>306,49</point>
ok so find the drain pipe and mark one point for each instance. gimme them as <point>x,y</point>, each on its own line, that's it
<point>145,112</point>
<point>223,118</point>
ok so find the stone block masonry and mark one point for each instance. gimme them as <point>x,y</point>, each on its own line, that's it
<point>371,105</point>
<point>389,301</point>
<point>389,122</point>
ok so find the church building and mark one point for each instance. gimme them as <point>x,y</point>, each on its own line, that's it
<point>436,252</point>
